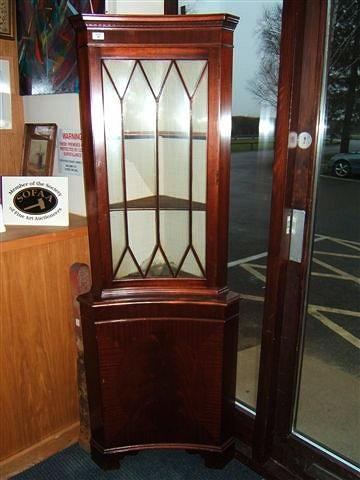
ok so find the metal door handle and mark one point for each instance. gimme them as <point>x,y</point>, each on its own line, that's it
<point>297,235</point>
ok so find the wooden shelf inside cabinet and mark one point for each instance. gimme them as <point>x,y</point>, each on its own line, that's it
<point>165,203</point>
<point>162,134</point>
<point>159,325</point>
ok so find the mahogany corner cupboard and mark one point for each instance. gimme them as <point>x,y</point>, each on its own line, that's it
<point>159,325</point>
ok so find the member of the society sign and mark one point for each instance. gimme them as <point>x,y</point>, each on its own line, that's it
<point>70,153</point>
<point>35,201</point>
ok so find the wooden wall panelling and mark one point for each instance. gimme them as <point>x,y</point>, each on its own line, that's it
<point>11,141</point>
<point>38,387</point>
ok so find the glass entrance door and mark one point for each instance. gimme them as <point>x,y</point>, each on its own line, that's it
<point>309,391</point>
<point>328,397</point>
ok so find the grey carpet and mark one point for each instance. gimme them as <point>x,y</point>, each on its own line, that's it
<point>74,464</point>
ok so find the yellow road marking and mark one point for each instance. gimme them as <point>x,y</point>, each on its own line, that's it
<point>315,310</point>
<point>316,274</point>
<point>331,275</point>
<point>345,243</point>
<point>340,239</point>
<point>332,254</point>
<point>335,328</point>
<point>258,298</point>
<point>254,272</point>
<point>254,298</point>
<point>341,273</point>
<point>234,263</point>
<point>351,313</point>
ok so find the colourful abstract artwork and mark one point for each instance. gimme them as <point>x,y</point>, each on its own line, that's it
<point>46,44</point>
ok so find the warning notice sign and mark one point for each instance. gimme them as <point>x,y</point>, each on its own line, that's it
<point>70,153</point>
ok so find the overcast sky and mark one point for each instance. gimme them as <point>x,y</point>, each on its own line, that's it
<point>246,53</point>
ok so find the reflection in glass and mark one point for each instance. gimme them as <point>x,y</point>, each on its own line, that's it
<point>251,185</point>
<point>156,145</point>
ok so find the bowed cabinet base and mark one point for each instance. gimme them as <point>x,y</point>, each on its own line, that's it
<point>212,459</point>
<point>160,374</point>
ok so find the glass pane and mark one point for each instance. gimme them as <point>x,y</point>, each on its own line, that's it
<point>139,106</point>
<point>158,215</point>
<point>174,228</point>
<point>180,174</point>
<point>254,116</point>
<point>159,266</point>
<point>113,135</point>
<point>117,237</point>
<point>140,168</point>
<point>199,158</point>
<point>119,71</point>
<point>199,234</point>
<point>142,238</point>
<point>128,268</point>
<point>174,106</point>
<point>190,267</point>
<point>191,71</point>
<point>329,387</point>
<point>155,71</point>
<point>174,168</point>
<point>199,137</point>
<point>139,117</point>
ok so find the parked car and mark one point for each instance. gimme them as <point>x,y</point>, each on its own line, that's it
<point>344,164</point>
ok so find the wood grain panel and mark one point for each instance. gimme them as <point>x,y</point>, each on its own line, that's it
<point>11,140</point>
<point>161,380</point>
<point>39,452</point>
<point>38,388</point>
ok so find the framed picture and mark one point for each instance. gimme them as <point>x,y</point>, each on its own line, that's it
<point>39,149</point>
<point>7,19</point>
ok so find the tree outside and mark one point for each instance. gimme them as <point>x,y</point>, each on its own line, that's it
<point>343,79</point>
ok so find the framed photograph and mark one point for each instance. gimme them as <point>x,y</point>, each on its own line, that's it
<point>7,19</point>
<point>39,149</point>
